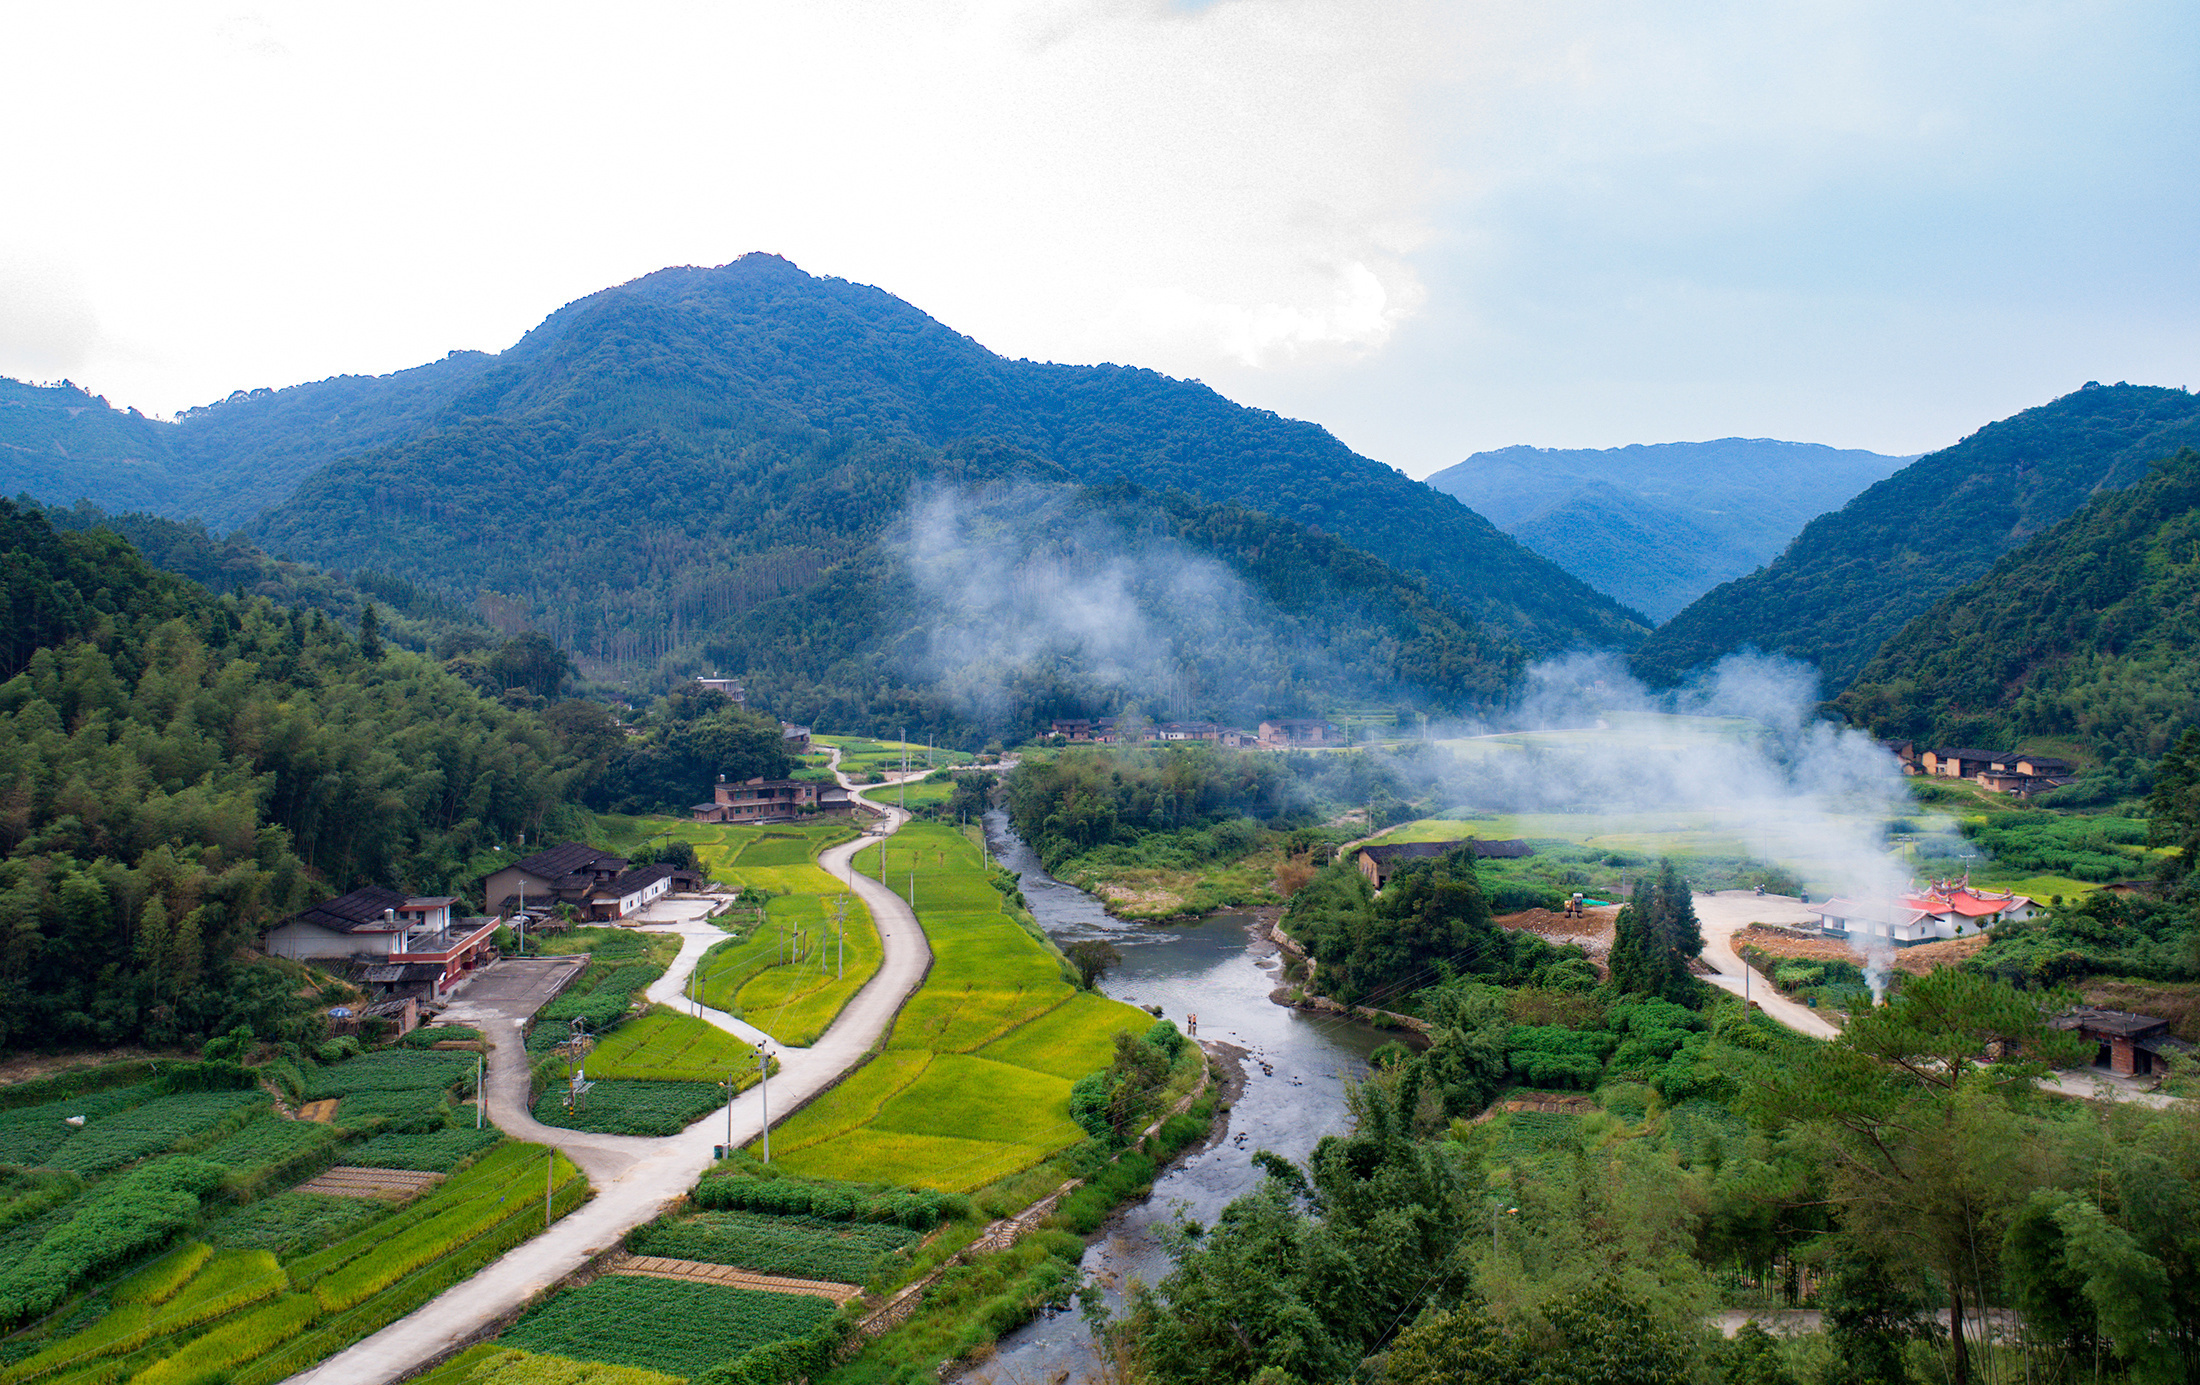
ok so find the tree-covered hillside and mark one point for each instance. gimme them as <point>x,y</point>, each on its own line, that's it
<point>178,771</point>
<point>1658,525</point>
<point>2084,634</point>
<point>1855,577</point>
<point>806,404</point>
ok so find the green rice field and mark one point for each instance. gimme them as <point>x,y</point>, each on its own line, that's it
<point>974,1083</point>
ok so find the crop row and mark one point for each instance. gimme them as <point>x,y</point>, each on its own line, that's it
<point>108,1228</point>
<point>831,1201</point>
<point>29,1133</point>
<point>618,1107</point>
<point>800,1247</point>
<point>332,1334</point>
<point>604,1003</point>
<point>152,1128</point>
<point>436,1151</point>
<point>668,1325</point>
<point>493,1363</point>
<point>394,1071</point>
<point>290,1222</point>
<point>430,1240</point>
<point>213,1287</point>
<point>268,1142</point>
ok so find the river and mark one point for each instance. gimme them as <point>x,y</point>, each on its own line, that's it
<point>1295,1071</point>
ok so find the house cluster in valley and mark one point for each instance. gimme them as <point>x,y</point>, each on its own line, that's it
<point>1282,734</point>
<point>414,948</point>
<point>2016,772</point>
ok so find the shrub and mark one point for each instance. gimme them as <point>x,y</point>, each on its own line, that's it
<point>919,1210</point>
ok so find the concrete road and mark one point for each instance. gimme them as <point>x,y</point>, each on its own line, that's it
<point>1723,912</point>
<point>634,1178</point>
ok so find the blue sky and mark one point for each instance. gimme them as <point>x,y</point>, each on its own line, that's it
<point>1434,228</point>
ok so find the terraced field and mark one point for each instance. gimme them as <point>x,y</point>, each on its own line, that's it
<point>974,1083</point>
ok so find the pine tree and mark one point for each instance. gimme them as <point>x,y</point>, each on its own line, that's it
<point>1632,935</point>
<point>370,633</point>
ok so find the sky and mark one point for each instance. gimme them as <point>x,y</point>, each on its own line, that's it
<point>1432,228</point>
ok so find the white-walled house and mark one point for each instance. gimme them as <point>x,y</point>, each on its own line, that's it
<point>416,933</point>
<point>1923,916</point>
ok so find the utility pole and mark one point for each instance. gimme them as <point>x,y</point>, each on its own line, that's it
<point>843,939</point>
<point>763,1091</point>
<point>480,1097</point>
<point>901,785</point>
<point>549,1185</point>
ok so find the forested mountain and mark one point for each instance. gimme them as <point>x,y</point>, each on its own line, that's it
<point>1659,525</point>
<point>700,440</point>
<point>221,464</point>
<point>2085,633</point>
<point>1855,577</point>
<point>178,770</point>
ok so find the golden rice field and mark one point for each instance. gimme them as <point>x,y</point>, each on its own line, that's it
<point>933,1111</point>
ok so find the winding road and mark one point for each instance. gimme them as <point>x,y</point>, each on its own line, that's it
<point>634,1177</point>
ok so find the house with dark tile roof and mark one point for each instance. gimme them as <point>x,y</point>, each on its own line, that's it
<point>382,929</point>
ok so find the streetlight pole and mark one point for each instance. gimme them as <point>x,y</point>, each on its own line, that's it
<point>764,1092</point>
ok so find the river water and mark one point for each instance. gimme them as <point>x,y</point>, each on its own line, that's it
<point>1296,1070</point>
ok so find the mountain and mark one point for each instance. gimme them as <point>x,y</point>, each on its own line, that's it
<point>221,464</point>
<point>2085,634</point>
<point>1856,576</point>
<point>813,399</point>
<point>1710,510</point>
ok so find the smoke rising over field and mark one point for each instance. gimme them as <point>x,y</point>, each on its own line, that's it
<point>1763,767</point>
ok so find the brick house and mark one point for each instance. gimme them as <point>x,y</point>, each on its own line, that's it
<point>2129,1045</point>
<point>403,940</point>
<point>1296,731</point>
<point>566,874</point>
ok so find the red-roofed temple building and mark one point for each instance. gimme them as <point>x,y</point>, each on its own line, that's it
<point>1947,910</point>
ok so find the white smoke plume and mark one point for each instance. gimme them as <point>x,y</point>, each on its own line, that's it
<point>1752,762</point>
<point>1019,594</point>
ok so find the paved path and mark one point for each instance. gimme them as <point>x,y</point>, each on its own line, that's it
<point>1723,912</point>
<point>633,1177</point>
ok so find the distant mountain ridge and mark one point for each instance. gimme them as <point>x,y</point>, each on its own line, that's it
<point>1854,577</point>
<point>1659,524</point>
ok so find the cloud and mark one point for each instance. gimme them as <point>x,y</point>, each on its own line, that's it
<point>47,327</point>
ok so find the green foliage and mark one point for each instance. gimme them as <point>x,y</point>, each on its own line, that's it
<point>114,1224</point>
<point>436,1151</point>
<point>2081,634</point>
<point>2097,934</point>
<point>1857,576</point>
<point>290,1222</point>
<point>618,1107</point>
<point>1329,1277</point>
<point>1605,1335</point>
<point>1431,925</point>
<point>800,1247</point>
<point>667,1325</point>
<point>186,766</point>
<point>1655,939</point>
<point>602,1004</point>
<point>826,1199</point>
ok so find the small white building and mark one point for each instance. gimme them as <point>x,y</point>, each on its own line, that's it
<point>1923,916</point>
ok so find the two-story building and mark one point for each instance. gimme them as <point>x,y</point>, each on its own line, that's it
<point>772,800</point>
<point>400,939</point>
<point>567,874</point>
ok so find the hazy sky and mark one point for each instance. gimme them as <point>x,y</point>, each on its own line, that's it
<point>1433,228</point>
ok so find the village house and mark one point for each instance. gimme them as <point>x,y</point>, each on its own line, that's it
<point>773,800</point>
<point>1297,731</point>
<point>1111,731</point>
<point>793,739</point>
<point>628,893</point>
<point>1923,916</point>
<point>1379,863</point>
<point>729,687</point>
<point>566,874</point>
<point>406,944</point>
<point>2127,1044</point>
<point>2016,772</point>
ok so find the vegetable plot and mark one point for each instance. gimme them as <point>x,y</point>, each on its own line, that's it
<point>666,1325</point>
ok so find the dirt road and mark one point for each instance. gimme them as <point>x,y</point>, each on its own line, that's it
<point>635,1177</point>
<point>1720,914</point>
